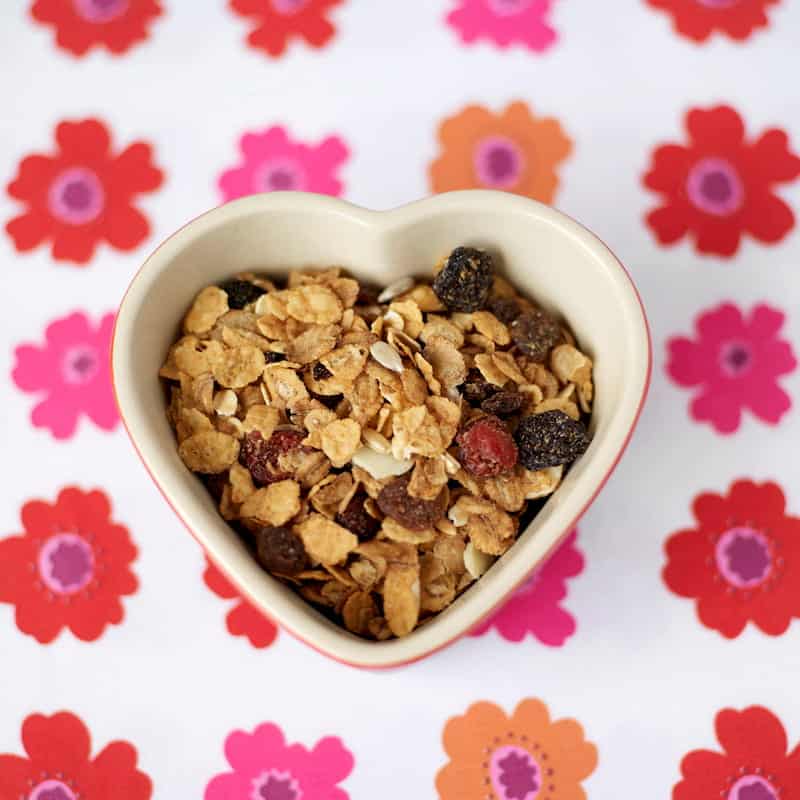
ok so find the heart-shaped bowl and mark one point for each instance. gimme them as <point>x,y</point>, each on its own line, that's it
<point>547,256</point>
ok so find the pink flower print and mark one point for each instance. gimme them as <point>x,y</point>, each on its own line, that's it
<point>72,371</point>
<point>266,768</point>
<point>504,22</point>
<point>273,161</point>
<point>534,608</point>
<point>734,363</point>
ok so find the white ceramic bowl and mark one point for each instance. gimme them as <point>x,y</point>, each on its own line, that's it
<point>547,256</point>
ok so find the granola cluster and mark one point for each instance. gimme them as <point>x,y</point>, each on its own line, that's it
<point>376,448</point>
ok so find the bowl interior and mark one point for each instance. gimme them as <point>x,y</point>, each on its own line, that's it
<point>547,256</point>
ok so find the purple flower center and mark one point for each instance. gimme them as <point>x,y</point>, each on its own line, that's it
<point>514,774</point>
<point>79,365</point>
<point>506,8</point>
<point>276,785</point>
<point>289,7</point>
<point>744,557</point>
<point>714,186</point>
<point>498,162</point>
<point>51,790</point>
<point>76,196</point>
<point>66,563</point>
<point>735,359</point>
<point>281,175</point>
<point>100,11</point>
<point>752,787</point>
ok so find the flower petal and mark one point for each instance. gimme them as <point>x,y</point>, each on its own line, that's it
<point>332,760</point>
<point>669,223</point>
<point>686,572</point>
<point>114,774</point>
<point>718,237</point>
<point>33,178</point>
<point>246,620</point>
<point>465,737</point>
<point>34,368</point>
<point>125,227</point>
<point>63,737</point>
<point>771,157</point>
<point>133,171</point>
<point>768,402</point>
<point>723,410</point>
<point>722,614</point>
<point>671,163</point>
<point>87,141</point>
<point>686,365</point>
<point>29,230</point>
<point>74,244</point>
<point>56,414</point>
<point>720,127</point>
<point>751,735</point>
<point>768,218</point>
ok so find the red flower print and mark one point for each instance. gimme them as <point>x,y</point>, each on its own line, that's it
<point>734,363</point>
<point>70,567</point>
<point>741,562</point>
<point>243,619</point>
<point>719,186</point>
<point>81,25</point>
<point>279,21</point>
<point>59,765</point>
<point>72,370</point>
<point>699,19</point>
<point>83,194</point>
<point>754,763</point>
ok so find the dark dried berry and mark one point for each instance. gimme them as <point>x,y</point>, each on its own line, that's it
<point>279,550</point>
<point>486,447</point>
<point>476,388</point>
<point>550,439</point>
<point>368,293</point>
<point>536,333</point>
<point>464,282</point>
<point>240,293</point>
<point>216,484</point>
<point>328,400</point>
<point>506,309</point>
<point>320,372</point>
<point>504,404</point>
<point>274,358</point>
<point>263,458</point>
<point>411,512</point>
<point>357,520</point>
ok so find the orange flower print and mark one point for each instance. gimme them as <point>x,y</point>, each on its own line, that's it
<point>514,151</point>
<point>522,757</point>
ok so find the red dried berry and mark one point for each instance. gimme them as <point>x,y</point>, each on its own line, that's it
<point>411,512</point>
<point>357,520</point>
<point>279,550</point>
<point>486,447</point>
<point>263,458</point>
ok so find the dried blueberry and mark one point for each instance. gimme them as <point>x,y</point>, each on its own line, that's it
<point>240,293</point>
<point>486,448</point>
<point>506,309</point>
<point>356,518</point>
<point>550,439</point>
<point>476,388</point>
<point>464,282</point>
<point>279,550</point>
<point>536,333</point>
<point>504,404</point>
<point>411,512</point>
<point>262,457</point>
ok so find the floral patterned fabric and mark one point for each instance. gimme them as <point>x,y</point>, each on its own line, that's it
<point>655,651</point>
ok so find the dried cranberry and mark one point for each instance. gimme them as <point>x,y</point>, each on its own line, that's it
<point>506,309</point>
<point>486,447</point>
<point>411,512</point>
<point>476,388</point>
<point>504,404</point>
<point>536,333</point>
<point>464,282</point>
<point>262,458</point>
<point>240,293</point>
<point>279,550</point>
<point>550,439</point>
<point>356,518</point>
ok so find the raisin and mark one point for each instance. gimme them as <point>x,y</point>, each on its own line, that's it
<point>328,400</point>
<point>216,484</point>
<point>368,294</point>
<point>274,358</point>
<point>240,293</point>
<point>279,550</point>
<point>504,404</point>
<point>320,372</point>
<point>356,518</point>
<point>550,439</point>
<point>486,447</point>
<point>536,333</point>
<point>411,512</point>
<point>262,458</point>
<point>464,282</point>
<point>506,309</point>
<point>476,388</point>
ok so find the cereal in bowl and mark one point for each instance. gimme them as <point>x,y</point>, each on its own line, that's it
<point>377,447</point>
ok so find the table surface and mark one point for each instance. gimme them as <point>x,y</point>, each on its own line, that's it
<point>663,628</point>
